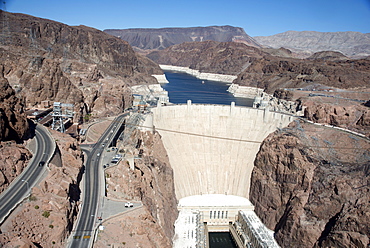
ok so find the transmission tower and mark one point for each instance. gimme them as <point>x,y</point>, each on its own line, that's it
<point>61,112</point>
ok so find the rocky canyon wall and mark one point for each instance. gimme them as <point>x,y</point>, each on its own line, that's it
<point>151,182</point>
<point>47,60</point>
<point>310,185</point>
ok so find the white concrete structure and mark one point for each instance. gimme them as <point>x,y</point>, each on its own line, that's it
<point>249,231</point>
<point>200,75</point>
<point>161,79</point>
<point>187,229</point>
<point>244,91</point>
<point>151,92</point>
<point>212,148</point>
<point>217,210</point>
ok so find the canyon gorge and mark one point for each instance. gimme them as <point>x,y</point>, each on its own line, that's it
<point>308,181</point>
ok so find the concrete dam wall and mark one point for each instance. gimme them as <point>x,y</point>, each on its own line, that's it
<point>212,147</point>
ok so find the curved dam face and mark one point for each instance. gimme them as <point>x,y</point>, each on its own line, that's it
<point>212,148</point>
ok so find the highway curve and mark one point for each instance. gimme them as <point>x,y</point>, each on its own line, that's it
<point>20,187</point>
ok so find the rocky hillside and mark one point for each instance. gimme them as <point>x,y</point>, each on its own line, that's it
<point>355,117</point>
<point>47,217</point>
<point>209,56</point>
<point>310,184</point>
<point>352,44</point>
<point>151,182</point>
<point>161,38</point>
<point>13,122</point>
<point>269,69</point>
<point>271,73</point>
<point>14,158</point>
<point>47,60</point>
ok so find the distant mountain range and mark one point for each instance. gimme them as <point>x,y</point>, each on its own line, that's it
<point>303,44</point>
<point>352,44</point>
<point>161,38</point>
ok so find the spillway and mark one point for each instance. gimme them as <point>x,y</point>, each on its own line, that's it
<point>212,148</point>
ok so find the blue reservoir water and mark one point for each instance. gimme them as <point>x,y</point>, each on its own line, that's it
<point>183,87</point>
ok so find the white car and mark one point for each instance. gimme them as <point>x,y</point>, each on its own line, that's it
<point>129,204</point>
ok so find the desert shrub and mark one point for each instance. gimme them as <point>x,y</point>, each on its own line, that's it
<point>46,214</point>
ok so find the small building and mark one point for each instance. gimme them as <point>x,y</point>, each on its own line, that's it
<point>137,99</point>
<point>142,106</point>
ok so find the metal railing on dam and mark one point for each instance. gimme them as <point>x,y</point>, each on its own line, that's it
<point>212,148</point>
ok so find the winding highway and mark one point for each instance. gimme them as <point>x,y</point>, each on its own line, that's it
<point>21,186</point>
<point>83,234</point>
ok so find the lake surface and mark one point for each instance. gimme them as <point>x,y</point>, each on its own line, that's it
<point>183,87</point>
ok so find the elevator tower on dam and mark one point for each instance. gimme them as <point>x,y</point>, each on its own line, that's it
<point>212,149</point>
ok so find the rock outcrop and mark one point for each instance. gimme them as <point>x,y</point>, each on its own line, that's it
<point>272,73</point>
<point>13,122</point>
<point>355,117</point>
<point>47,60</point>
<point>150,181</point>
<point>14,158</point>
<point>310,184</point>
<point>161,38</point>
<point>209,56</point>
<point>352,44</point>
<point>261,69</point>
<point>47,217</point>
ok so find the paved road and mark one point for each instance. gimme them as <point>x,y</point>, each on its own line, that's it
<point>21,186</point>
<point>83,234</point>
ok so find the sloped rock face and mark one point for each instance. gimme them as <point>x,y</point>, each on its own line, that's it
<point>13,158</point>
<point>151,182</point>
<point>13,122</point>
<point>353,44</point>
<point>209,56</point>
<point>161,38</point>
<point>310,185</point>
<point>353,117</point>
<point>47,218</point>
<point>268,69</point>
<point>271,73</point>
<point>47,60</point>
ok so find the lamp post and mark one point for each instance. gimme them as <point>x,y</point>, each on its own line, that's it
<point>28,187</point>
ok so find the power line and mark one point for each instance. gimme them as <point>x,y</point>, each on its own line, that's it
<point>239,140</point>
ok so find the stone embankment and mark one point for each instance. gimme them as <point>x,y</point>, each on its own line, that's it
<point>200,75</point>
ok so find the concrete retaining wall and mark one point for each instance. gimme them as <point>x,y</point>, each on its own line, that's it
<point>212,147</point>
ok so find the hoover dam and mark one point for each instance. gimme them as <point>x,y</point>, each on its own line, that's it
<point>212,149</point>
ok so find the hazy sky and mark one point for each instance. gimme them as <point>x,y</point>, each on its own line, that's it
<point>259,17</point>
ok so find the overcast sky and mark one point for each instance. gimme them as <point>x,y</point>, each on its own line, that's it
<point>259,17</point>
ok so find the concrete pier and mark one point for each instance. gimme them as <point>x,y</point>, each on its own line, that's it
<point>212,147</point>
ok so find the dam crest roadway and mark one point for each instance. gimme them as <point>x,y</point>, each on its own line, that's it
<point>212,149</point>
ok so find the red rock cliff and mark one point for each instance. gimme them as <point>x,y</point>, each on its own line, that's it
<point>310,185</point>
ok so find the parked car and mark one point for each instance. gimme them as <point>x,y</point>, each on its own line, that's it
<point>129,204</point>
